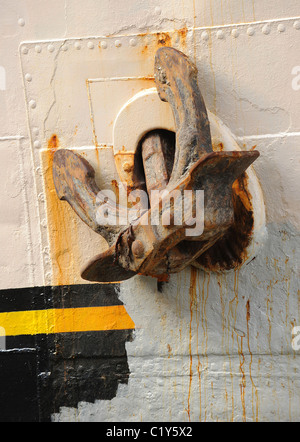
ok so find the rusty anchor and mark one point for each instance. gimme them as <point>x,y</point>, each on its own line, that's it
<point>177,166</point>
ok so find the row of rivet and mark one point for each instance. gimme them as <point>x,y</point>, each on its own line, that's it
<point>220,34</point>
<point>77,45</point>
<point>265,29</point>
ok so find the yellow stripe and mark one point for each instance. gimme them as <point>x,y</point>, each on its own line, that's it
<point>82,319</point>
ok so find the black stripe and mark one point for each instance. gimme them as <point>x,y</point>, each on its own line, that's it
<point>64,296</point>
<point>41,373</point>
<point>18,388</point>
<point>29,298</point>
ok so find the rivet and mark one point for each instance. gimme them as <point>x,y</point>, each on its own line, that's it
<point>48,277</point>
<point>90,45</point>
<point>32,104</point>
<point>103,44</point>
<point>64,48</point>
<point>220,35</point>
<point>77,45</point>
<point>250,31</point>
<point>297,24</point>
<point>132,42</point>
<point>38,49</point>
<point>37,144</point>
<point>118,43</point>
<point>51,48</point>
<point>21,22</point>
<point>281,27</point>
<point>127,167</point>
<point>24,50</point>
<point>266,29</point>
<point>204,36</point>
<point>35,131</point>
<point>137,248</point>
<point>39,170</point>
<point>157,10</point>
<point>235,33</point>
<point>41,197</point>
<point>28,77</point>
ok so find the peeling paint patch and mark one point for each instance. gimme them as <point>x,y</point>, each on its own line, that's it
<point>44,368</point>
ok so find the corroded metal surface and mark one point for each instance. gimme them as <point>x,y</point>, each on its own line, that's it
<point>143,247</point>
<point>176,82</point>
<point>74,180</point>
<point>215,174</point>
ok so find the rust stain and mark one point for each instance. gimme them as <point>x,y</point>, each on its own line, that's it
<point>248,312</point>
<point>254,388</point>
<point>222,279</point>
<point>193,297</point>
<point>181,35</point>
<point>63,239</point>
<point>91,113</point>
<point>94,133</point>
<point>218,147</point>
<point>115,187</point>
<point>160,39</point>
<point>144,49</point>
<point>199,364</point>
<point>53,143</point>
<point>233,305</point>
<point>243,380</point>
<point>204,298</point>
<point>97,156</point>
<point>182,32</point>
<point>163,39</point>
<point>230,251</point>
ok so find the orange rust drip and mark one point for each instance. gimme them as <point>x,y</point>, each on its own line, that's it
<point>53,142</point>
<point>199,364</point>
<point>255,414</point>
<point>233,313</point>
<point>243,381</point>
<point>193,295</point>
<point>164,39</point>
<point>204,298</point>
<point>61,226</point>
<point>115,187</point>
<point>182,33</point>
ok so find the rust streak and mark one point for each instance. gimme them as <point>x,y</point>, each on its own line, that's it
<point>199,365</point>
<point>63,245</point>
<point>254,388</point>
<point>53,143</point>
<point>193,294</point>
<point>243,380</point>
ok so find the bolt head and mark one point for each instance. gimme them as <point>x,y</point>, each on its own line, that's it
<point>137,248</point>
